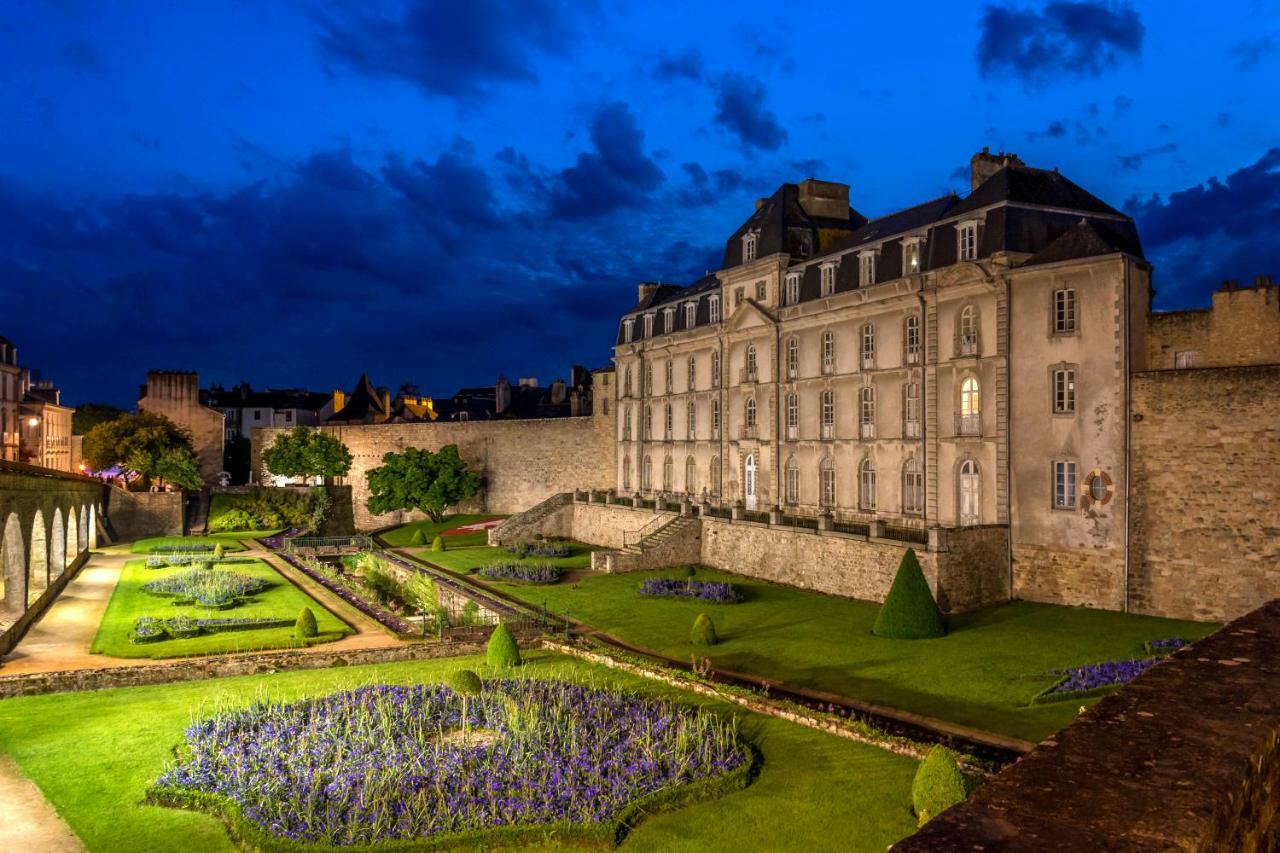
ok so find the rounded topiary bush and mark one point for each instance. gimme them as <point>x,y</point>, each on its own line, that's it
<point>464,682</point>
<point>938,785</point>
<point>305,627</point>
<point>417,538</point>
<point>909,611</point>
<point>704,631</point>
<point>437,544</point>
<point>503,651</point>
<point>219,552</point>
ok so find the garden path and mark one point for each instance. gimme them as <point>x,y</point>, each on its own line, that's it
<point>27,821</point>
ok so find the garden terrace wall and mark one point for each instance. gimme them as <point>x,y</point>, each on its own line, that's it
<point>1206,486</point>
<point>522,461</point>
<point>1186,757</point>
<point>141,515</point>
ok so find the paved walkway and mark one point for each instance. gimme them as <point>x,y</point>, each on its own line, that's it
<point>27,821</point>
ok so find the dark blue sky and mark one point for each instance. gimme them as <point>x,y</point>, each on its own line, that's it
<point>439,192</point>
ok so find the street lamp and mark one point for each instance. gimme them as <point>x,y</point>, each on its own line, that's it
<point>33,421</point>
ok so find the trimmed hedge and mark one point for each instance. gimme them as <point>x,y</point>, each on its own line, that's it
<point>464,682</point>
<point>437,544</point>
<point>703,632</point>
<point>909,611</point>
<point>938,785</point>
<point>305,627</point>
<point>502,652</point>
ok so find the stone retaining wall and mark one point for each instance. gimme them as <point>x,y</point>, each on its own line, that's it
<point>140,515</point>
<point>1186,757</point>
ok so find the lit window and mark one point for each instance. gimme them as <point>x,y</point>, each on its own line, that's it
<point>970,407</point>
<point>911,255</point>
<point>791,294</point>
<point>868,346</point>
<point>1064,311</point>
<point>911,339</point>
<point>828,277</point>
<point>866,269</point>
<point>1064,390</point>
<point>968,237</point>
<point>827,483</point>
<point>1064,485</point>
<point>748,248</point>
<point>912,487</point>
<point>713,309</point>
<point>867,484</point>
<point>793,357</point>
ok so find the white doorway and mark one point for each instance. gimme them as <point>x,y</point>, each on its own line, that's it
<point>970,492</point>
<point>749,482</point>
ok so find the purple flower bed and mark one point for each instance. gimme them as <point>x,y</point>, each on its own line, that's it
<point>1166,646</point>
<point>522,572</point>
<point>150,629</point>
<point>331,580</point>
<point>276,542</point>
<point>385,763</point>
<point>1097,675</point>
<point>713,591</point>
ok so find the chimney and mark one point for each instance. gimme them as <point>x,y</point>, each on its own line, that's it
<point>984,164</point>
<point>557,392</point>
<point>501,395</point>
<point>385,397</point>
<point>646,289</point>
<point>824,199</point>
<point>339,400</point>
<point>761,202</point>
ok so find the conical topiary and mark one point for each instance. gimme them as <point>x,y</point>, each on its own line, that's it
<point>218,551</point>
<point>909,611</point>
<point>704,631</point>
<point>503,651</point>
<point>417,538</point>
<point>437,544</point>
<point>938,785</point>
<point>305,627</point>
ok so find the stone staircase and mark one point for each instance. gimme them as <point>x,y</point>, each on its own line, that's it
<point>538,519</point>
<point>663,543</point>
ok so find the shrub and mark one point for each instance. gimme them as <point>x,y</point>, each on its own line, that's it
<point>417,538</point>
<point>464,682</point>
<point>219,552</point>
<point>305,627</point>
<point>471,613</point>
<point>503,651</point>
<point>437,544</point>
<point>909,611</point>
<point>938,785</point>
<point>232,518</point>
<point>704,631</point>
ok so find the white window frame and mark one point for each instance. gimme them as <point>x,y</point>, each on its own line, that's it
<point>749,413</point>
<point>868,351</point>
<point>690,314</point>
<point>912,487</point>
<point>791,483</point>
<point>669,374</point>
<point>967,341</point>
<point>1064,390</point>
<point>911,409</point>
<point>967,240</point>
<point>1065,317</point>
<point>827,275</point>
<point>827,483</point>
<point>648,325</point>
<point>866,268</point>
<point>668,423</point>
<point>693,374</point>
<point>691,421</point>
<point>828,409</point>
<point>750,242</point>
<point>715,418</point>
<point>912,249</point>
<point>793,416</point>
<point>715,369</point>
<point>791,292</point>
<point>1065,484</point>
<point>867,484</point>
<point>867,413</point>
<point>628,329</point>
<point>1186,359</point>
<point>793,357</point>
<point>828,351</point>
<point>668,320</point>
<point>911,339</point>
<point>713,309</point>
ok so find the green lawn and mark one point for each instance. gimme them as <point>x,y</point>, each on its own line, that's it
<point>283,599</point>
<point>402,536</point>
<point>228,541</point>
<point>467,560</point>
<point>983,674</point>
<point>93,755</point>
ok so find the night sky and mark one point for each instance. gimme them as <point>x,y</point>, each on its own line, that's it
<point>439,192</point>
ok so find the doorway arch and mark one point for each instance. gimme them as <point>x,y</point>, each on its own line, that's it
<point>749,481</point>
<point>57,545</point>
<point>38,561</point>
<point>13,569</point>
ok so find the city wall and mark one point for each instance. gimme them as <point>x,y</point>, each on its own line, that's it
<point>523,462</point>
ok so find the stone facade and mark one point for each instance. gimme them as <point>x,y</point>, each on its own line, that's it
<point>139,515</point>
<point>1206,528</point>
<point>1242,327</point>
<point>522,461</point>
<point>1069,576</point>
<point>176,395</point>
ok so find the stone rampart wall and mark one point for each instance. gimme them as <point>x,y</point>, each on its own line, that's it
<point>139,515</point>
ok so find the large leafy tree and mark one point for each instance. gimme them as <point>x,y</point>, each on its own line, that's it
<point>303,452</point>
<point>422,480</point>
<point>147,443</point>
<point>89,415</point>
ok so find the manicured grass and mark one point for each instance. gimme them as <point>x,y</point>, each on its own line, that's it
<point>281,600</point>
<point>402,536</point>
<point>984,673</point>
<point>94,754</point>
<point>228,541</point>
<point>468,560</point>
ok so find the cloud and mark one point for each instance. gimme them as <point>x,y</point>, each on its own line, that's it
<point>1133,162</point>
<point>1121,104</point>
<point>740,107</point>
<point>1216,229</point>
<point>450,49</point>
<point>617,174</point>
<point>1072,39</point>
<point>83,55</point>
<point>1059,128</point>
<point>678,66</point>
<point>1248,54</point>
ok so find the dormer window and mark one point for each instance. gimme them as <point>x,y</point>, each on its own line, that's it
<point>648,325</point>
<point>911,255</point>
<point>749,247</point>
<point>690,314</point>
<point>628,330</point>
<point>713,309</point>
<point>791,291</point>
<point>828,278</point>
<point>967,236</point>
<point>668,320</point>
<point>866,268</point>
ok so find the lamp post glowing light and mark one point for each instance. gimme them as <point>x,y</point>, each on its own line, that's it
<point>33,421</point>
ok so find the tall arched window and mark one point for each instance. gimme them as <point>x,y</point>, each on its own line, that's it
<point>668,475</point>
<point>626,383</point>
<point>793,416</point>
<point>911,340</point>
<point>911,410</point>
<point>827,483</point>
<point>828,413</point>
<point>750,412</point>
<point>670,374</point>
<point>867,484</point>
<point>793,358</point>
<point>646,475</point>
<point>751,362</point>
<point>648,422</point>
<point>967,331</point>
<point>969,488</point>
<point>648,378</point>
<point>868,346</point>
<point>970,422</point>
<point>912,487</point>
<point>714,475</point>
<point>791,482</point>
<point>867,415</point>
<point>715,369</point>
<point>626,426</point>
<point>626,473</point>
<point>828,351</point>
<point>690,476</point>
<point>693,374</point>
<point>667,422</point>
<point>691,421</point>
<point>715,418</point>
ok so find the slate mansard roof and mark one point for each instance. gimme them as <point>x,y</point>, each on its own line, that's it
<point>1039,213</point>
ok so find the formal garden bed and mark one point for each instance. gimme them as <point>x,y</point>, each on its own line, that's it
<point>986,672</point>
<point>526,572</point>
<point>190,607</point>
<point>452,530</point>
<point>714,592</point>
<point>367,592</point>
<point>806,787</point>
<point>167,545</point>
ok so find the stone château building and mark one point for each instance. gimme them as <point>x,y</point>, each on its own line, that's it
<point>958,363</point>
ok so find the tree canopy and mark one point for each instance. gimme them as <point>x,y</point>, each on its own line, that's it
<point>422,480</point>
<point>147,443</point>
<point>89,415</point>
<point>304,452</point>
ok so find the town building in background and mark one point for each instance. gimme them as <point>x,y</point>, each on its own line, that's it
<point>244,408</point>
<point>35,428</point>
<point>176,395</point>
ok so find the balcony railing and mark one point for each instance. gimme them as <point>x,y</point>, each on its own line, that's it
<point>913,356</point>
<point>747,375</point>
<point>828,366</point>
<point>966,345</point>
<point>969,424</point>
<point>748,431</point>
<point>911,429</point>
<point>867,430</point>
<point>828,431</point>
<point>868,362</point>
<point>793,432</point>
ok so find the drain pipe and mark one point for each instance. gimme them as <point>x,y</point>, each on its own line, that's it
<point>1128,429</point>
<point>1008,418</point>
<point>924,403</point>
